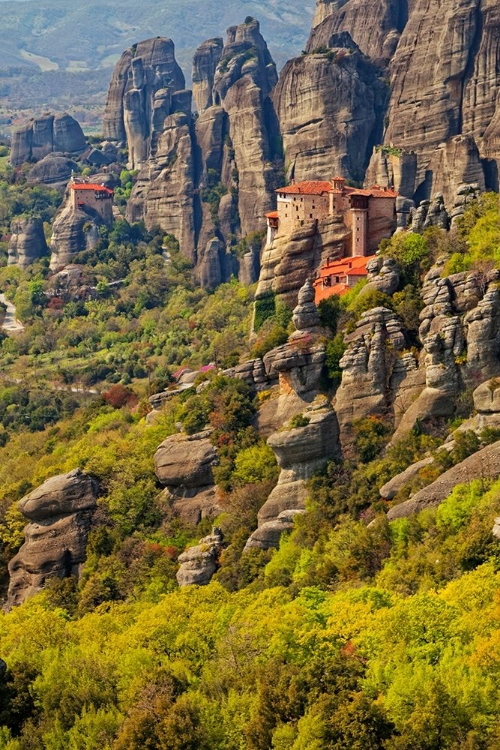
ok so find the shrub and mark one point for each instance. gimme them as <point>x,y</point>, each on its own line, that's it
<point>265,307</point>
<point>119,396</point>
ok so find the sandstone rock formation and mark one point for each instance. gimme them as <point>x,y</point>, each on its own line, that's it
<point>164,192</point>
<point>59,513</point>
<point>461,342</point>
<point>210,181</point>
<point>144,90</point>
<point>54,170</point>
<point>268,535</point>
<point>485,464</point>
<point>45,135</point>
<point>183,464</point>
<point>374,371</point>
<point>205,62</point>
<point>199,563</point>
<point>443,64</point>
<point>292,258</point>
<point>27,243</point>
<point>328,106</point>
<point>72,232</point>
<point>382,275</point>
<point>375,26</point>
<point>300,451</point>
<point>394,168</point>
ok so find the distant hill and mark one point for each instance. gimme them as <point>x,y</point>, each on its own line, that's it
<point>80,36</point>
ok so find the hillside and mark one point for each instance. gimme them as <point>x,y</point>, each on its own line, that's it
<point>250,393</point>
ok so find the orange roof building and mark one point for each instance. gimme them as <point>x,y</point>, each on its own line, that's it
<point>338,276</point>
<point>369,213</point>
<point>90,195</point>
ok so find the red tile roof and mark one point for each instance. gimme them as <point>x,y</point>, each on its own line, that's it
<point>310,187</point>
<point>318,187</point>
<point>356,264</point>
<point>90,186</point>
<point>272,215</point>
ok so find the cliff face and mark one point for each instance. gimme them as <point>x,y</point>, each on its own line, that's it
<point>141,95</point>
<point>442,60</point>
<point>329,105</point>
<point>374,25</point>
<point>207,181</point>
<point>46,135</point>
<point>27,243</point>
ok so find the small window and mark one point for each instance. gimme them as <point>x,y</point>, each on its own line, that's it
<point>311,216</point>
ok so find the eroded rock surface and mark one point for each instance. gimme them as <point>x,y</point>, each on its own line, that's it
<point>27,243</point>
<point>300,452</point>
<point>199,563</point>
<point>317,94</point>
<point>485,464</point>
<point>59,513</point>
<point>45,135</point>
<point>184,465</point>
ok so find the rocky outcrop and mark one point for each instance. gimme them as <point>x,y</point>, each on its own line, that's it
<point>292,258</point>
<point>53,170</point>
<point>300,452</point>
<point>27,243</point>
<point>394,168</point>
<point>73,231</point>
<point>374,370</point>
<point>144,90</point>
<point>328,105</point>
<point>299,362</point>
<point>268,535</point>
<point>59,513</point>
<point>205,62</point>
<point>164,192</point>
<point>375,26</point>
<point>485,464</point>
<point>199,563</point>
<point>461,344</point>
<point>184,464</point>
<point>391,488</point>
<point>382,276</point>
<point>242,82</point>
<point>453,163</point>
<point>45,135</point>
<point>210,181</point>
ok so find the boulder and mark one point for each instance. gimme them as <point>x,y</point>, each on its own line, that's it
<point>268,535</point>
<point>186,460</point>
<point>300,452</point>
<point>184,465</point>
<point>485,464</point>
<point>53,170</point>
<point>199,563</point>
<point>391,488</point>
<point>46,135</point>
<point>55,543</point>
<point>27,242</point>
<point>60,496</point>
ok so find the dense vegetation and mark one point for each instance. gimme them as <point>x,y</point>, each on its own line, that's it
<point>355,634</point>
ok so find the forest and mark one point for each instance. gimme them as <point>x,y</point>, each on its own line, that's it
<point>356,633</point>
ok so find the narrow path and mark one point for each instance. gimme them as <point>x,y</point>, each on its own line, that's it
<point>11,324</point>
